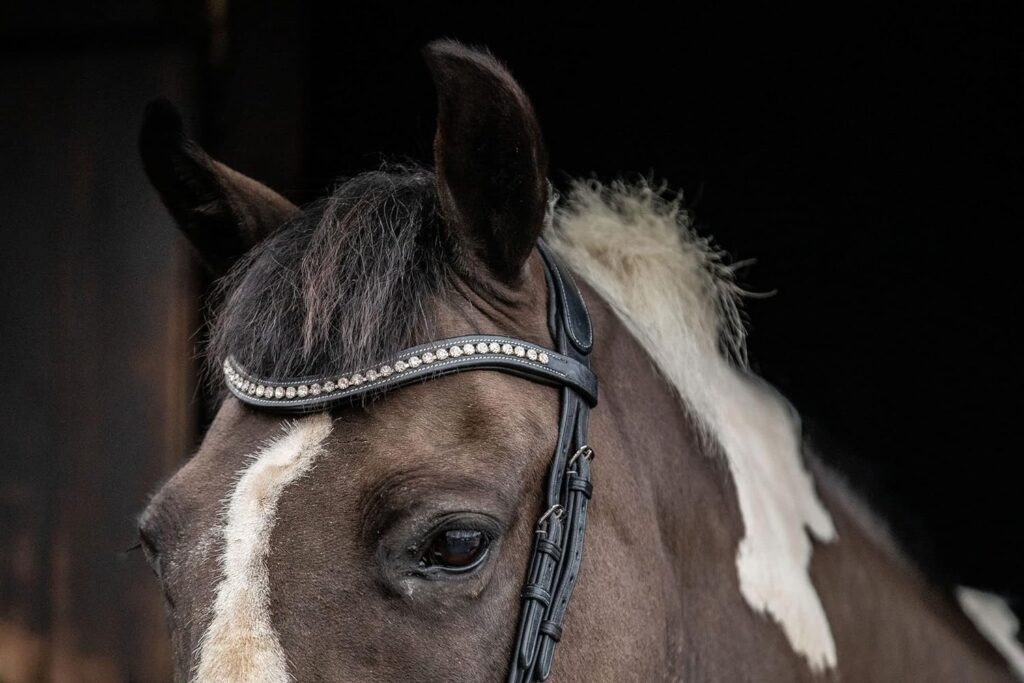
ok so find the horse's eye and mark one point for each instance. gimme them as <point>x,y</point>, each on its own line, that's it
<point>457,549</point>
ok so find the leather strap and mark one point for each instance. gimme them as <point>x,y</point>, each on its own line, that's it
<point>568,301</point>
<point>552,576</point>
<point>558,542</point>
<point>489,352</point>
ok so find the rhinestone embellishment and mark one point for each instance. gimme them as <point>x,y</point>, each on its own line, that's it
<point>289,392</point>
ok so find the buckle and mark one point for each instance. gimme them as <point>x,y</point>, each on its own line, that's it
<point>556,510</point>
<point>585,452</point>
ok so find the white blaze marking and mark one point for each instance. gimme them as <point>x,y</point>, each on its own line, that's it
<point>997,622</point>
<point>671,291</point>
<point>240,643</point>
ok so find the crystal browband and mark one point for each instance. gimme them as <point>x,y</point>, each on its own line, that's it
<point>416,364</point>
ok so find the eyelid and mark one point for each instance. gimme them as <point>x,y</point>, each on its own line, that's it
<point>463,520</point>
<point>417,493</point>
<point>151,553</point>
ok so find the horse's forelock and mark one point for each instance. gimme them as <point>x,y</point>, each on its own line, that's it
<point>345,283</point>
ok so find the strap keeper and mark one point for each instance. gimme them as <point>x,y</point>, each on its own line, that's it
<point>550,549</point>
<point>551,629</point>
<point>581,484</point>
<point>535,592</point>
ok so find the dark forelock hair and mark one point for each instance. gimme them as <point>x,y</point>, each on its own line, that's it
<point>343,286</point>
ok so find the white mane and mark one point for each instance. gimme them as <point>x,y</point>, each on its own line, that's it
<point>673,291</point>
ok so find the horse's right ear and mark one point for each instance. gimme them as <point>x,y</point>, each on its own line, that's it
<point>222,212</point>
<point>490,160</point>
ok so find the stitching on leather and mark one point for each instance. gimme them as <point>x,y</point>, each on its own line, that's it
<point>411,351</point>
<point>338,396</point>
<point>568,313</point>
<point>417,372</point>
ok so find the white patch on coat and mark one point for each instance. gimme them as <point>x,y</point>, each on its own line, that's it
<point>674,293</point>
<point>240,644</point>
<point>997,622</point>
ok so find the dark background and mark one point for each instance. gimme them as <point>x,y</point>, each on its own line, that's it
<point>870,161</point>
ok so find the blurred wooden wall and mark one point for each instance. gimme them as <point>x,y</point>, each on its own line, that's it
<point>101,301</point>
<point>98,299</point>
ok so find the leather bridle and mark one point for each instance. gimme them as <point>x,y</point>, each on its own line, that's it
<point>558,540</point>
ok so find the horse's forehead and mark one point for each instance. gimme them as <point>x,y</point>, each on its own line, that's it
<point>484,424</point>
<point>203,481</point>
<point>464,408</point>
<point>441,414</point>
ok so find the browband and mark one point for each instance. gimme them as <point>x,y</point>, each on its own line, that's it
<point>558,540</point>
<point>419,363</point>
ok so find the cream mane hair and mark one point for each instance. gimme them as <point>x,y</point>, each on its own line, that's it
<point>674,292</point>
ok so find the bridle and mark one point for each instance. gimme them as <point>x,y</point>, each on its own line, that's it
<point>558,541</point>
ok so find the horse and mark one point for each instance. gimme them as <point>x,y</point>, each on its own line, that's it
<point>389,537</point>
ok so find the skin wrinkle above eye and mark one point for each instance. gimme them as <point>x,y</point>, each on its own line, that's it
<point>434,474</point>
<point>419,495</point>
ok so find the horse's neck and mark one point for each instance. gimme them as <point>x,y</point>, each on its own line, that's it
<point>658,477</point>
<point>649,433</point>
<point>875,596</point>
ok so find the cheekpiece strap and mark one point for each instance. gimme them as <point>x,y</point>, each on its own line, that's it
<point>558,540</point>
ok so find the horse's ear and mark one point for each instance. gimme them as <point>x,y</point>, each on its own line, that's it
<point>222,212</point>
<point>490,159</point>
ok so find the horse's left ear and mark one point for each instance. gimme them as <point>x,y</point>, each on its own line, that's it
<point>490,160</point>
<point>222,212</point>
